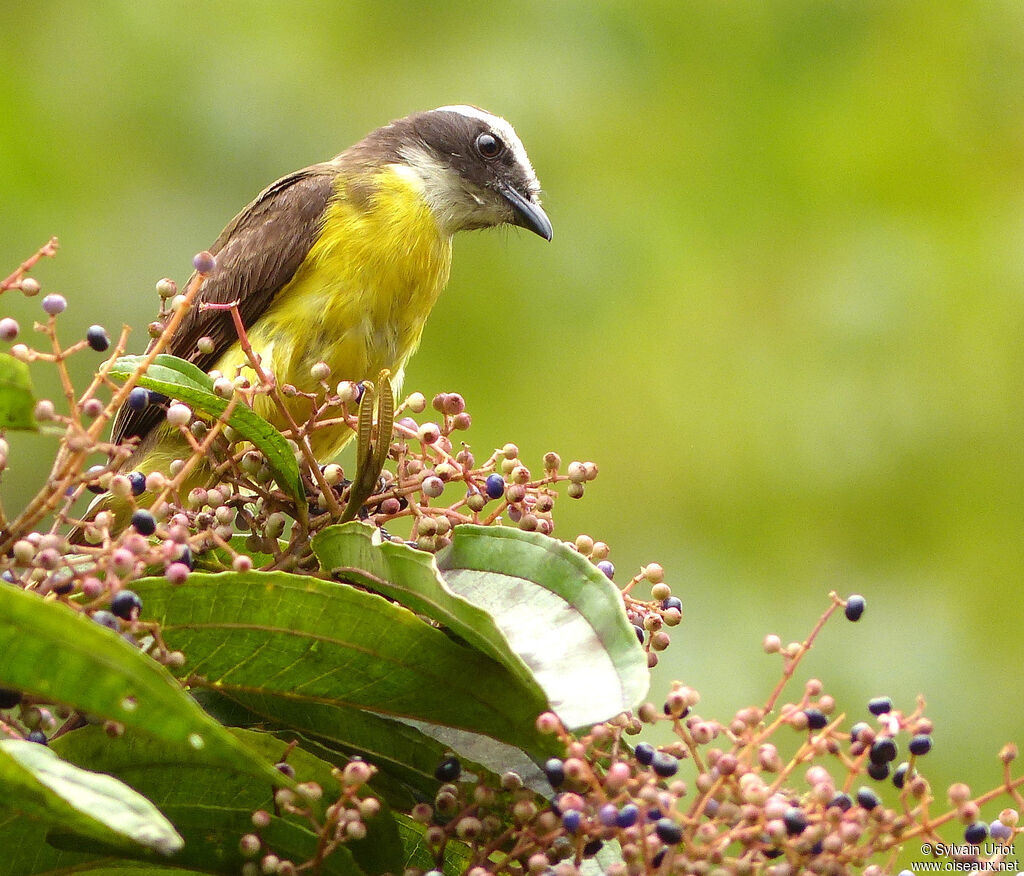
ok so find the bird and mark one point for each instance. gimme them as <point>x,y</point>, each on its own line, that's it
<point>341,262</point>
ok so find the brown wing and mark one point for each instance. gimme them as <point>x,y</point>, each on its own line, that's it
<point>257,254</point>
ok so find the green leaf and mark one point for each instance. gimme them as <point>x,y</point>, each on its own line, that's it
<point>60,655</point>
<point>528,601</point>
<point>17,400</point>
<point>559,613</point>
<point>182,380</point>
<point>295,641</point>
<point>210,806</point>
<point>37,783</point>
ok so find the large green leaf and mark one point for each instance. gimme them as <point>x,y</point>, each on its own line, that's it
<point>210,806</point>
<point>182,380</point>
<point>297,642</point>
<point>38,784</point>
<point>60,655</point>
<point>527,600</point>
<point>17,401</point>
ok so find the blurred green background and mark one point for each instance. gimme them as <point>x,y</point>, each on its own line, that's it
<point>782,308</point>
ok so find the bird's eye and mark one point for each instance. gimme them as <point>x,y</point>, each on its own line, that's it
<point>488,145</point>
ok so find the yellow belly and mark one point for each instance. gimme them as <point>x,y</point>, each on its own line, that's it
<point>358,302</point>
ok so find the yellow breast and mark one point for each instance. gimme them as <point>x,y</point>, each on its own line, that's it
<point>360,299</point>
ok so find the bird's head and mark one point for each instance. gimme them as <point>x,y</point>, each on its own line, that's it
<point>471,164</point>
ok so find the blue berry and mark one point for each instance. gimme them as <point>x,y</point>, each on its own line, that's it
<point>98,338</point>
<point>999,831</point>
<point>138,399</point>
<point>664,764</point>
<point>37,736</point>
<point>204,262</point>
<point>668,831</point>
<point>126,605</point>
<point>448,770</point>
<point>628,816</point>
<point>795,821</point>
<point>880,705</point>
<point>841,801</point>
<point>883,750</point>
<point>607,568</point>
<point>976,833</point>
<point>899,775</point>
<point>867,799</point>
<point>816,719</point>
<point>644,753</point>
<point>878,771</point>
<point>106,619</point>
<point>571,820</point>
<point>855,606</point>
<point>54,304</point>
<point>138,481</point>
<point>920,744</point>
<point>144,522</point>
<point>672,602</point>
<point>555,772</point>
<point>608,814</point>
<point>494,486</point>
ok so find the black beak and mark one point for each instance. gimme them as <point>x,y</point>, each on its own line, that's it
<point>528,214</point>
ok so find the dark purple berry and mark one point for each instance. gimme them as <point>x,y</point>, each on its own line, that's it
<point>644,753</point>
<point>816,719</point>
<point>494,486</point>
<point>880,705</point>
<point>878,771</point>
<point>98,338</point>
<point>144,522</point>
<point>883,750</point>
<point>672,602</point>
<point>138,481</point>
<point>608,569</point>
<point>9,698</point>
<point>37,736</point>
<point>842,801</point>
<point>106,619</point>
<point>285,769</point>
<point>855,606</point>
<point>608,814</point>
<point>668,831</point>
<point>628,816</point>
<point>857,728</point>
<point>555,772</point>
<point>976,833</point>
<point>658,858</point>
<point>138,399</point>
<point>920,744</point>
<point>639,633</point>
<point>867,799</point>
<point>571,820</point>
<point>899,776</point>
<point>126,605</point>
<point>664,764</point>
<point>448,770</point>
<point>795,821</point>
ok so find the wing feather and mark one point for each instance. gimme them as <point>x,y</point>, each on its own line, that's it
<point>257,255</point>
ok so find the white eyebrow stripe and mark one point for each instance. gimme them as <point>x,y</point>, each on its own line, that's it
<point>505,131</point>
